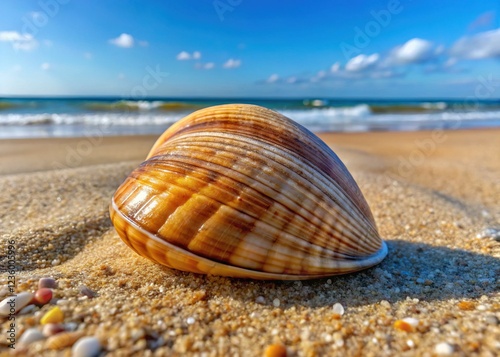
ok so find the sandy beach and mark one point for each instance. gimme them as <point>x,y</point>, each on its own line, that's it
<point>434,196</point>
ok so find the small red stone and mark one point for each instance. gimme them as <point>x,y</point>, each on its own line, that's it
<point>42,296</point>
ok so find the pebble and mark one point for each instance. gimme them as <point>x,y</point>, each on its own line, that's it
<point>54,315</point>
<point>443,349</point>
<point>49,283</point>
<point>190,320</point>
<point>408,324</point>
<point>276,302</point>
<point>70,326</point>
<point>27,310</point>
<point>84,290</point>
<point>30,335</point>
<point>52,329</point>
<point>4,291</point>
<point>86,347</point>
<point>338,309</point>
<point>275,350</point>
<point>63,339</point>
<point>466,305</point>
<point>42,296</point>
<point>492,320</point>
<point>260,300</point>
<point>18,302</point>
<point>492,233</point>
<point>385,304</point>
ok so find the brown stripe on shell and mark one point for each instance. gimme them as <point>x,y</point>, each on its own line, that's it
<point>163,253</point>
<point>258,167</point>
<point>219,188</point>
<point>276,130</point>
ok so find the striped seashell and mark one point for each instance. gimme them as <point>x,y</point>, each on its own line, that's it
<point>242,191</point>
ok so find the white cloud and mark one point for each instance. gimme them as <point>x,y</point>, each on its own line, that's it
<point>319,76</point>
<point>45,66</point>
<point>23,42</point>
<point>25,46</point>
<point>14,36</point>
<point>273,78</point>
<point>450,62</point>
<point>335,67</point>
<point>232,63</point>
<point>87,55</point>
<point>208,65</point>
<point>183,56</point>
<point>124,40</point>
<point>361,62</point>
<point>415,50</point>
<point>291,80</point>
<point>483,45</point>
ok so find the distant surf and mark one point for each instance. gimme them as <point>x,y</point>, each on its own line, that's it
<point>53,117</point>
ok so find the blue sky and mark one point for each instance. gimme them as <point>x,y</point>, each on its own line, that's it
<point>238,48</point>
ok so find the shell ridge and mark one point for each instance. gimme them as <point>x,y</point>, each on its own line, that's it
<point>347,266</point>
<point>270,197</point>
<point>344,202</point>
<point>328,252</point>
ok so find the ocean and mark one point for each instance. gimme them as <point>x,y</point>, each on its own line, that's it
<point>79,116</point>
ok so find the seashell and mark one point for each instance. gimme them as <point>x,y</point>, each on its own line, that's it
<point>242,191</point>
<point>63,340</point>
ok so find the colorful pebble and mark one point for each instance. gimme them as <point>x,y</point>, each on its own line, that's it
<point>275,350</point>
<point>466,305</point>
<point>43,296</point>
<point>86,347</point>
<point>49,283</point>
<point>338,310</point>
<point>443,349</point>
<point>30,335</point>
<point>63,340</point>
<point>13,304</point>
<point>87,292</point>
<point>408,324</point>
<point>51,329</point>
<point>27,310</point>
<point>54,315</point>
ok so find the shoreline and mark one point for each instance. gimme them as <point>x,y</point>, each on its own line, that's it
<point>18,155</point>
<point>433,197</point>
